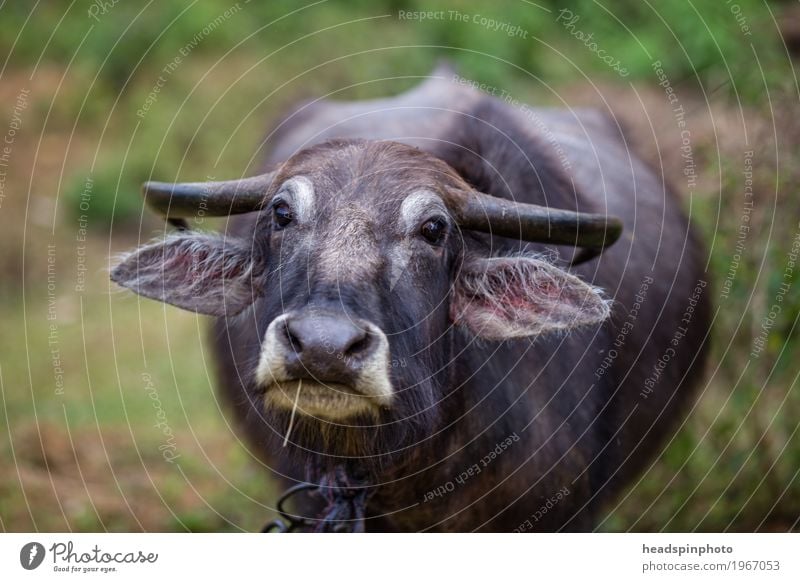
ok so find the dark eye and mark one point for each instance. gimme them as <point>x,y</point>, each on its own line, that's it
<point>282,214</point>
<point>434,230</point>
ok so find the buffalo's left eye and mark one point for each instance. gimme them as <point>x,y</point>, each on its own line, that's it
<point>434,230</point>
<point>282,214</point>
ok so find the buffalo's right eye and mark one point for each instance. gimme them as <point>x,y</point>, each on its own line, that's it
<point>434,230</point>
<point>282,214</point>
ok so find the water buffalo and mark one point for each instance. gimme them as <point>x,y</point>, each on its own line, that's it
<point>419,308</point>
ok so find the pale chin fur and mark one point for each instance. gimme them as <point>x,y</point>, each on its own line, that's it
<point>323,401</point>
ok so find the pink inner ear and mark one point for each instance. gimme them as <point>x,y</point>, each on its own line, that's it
<point>548,289</point>
<point>511,295</point>
<point>511,302</point>
<point>523,296</point>
<point>202,266</point>
<point>185,262</point>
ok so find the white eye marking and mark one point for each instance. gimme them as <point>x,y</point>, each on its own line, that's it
<point>299,192</point>
<point>417,205</point>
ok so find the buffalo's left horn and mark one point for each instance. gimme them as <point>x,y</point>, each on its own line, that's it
<point>188,199</point>
<point>531,222</point>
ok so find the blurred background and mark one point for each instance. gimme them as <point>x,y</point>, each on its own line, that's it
<point>109,417</point>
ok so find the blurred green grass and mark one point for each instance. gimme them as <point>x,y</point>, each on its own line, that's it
<point>89,459</point>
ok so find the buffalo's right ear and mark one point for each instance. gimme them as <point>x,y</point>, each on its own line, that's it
<point>203,273</point>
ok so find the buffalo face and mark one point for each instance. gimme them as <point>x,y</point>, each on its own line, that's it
<point>357,272</point>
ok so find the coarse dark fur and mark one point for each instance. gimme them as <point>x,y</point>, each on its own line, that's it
<point>584,427</point>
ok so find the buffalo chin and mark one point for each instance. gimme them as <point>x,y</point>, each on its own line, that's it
<point>353,429</point>
<point>327,402</point>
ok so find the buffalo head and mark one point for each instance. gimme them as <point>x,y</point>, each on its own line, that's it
<point>358,264</point>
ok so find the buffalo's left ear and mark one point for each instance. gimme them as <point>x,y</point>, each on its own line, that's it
<point>203,273</point>
<point>507,297</point>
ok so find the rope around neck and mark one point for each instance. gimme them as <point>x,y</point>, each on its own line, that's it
<point>345,505</point>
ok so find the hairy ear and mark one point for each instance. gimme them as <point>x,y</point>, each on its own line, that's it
<point>199,272</point>
<point>507,297</point>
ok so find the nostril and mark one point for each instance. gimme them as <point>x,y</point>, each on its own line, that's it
<point>292,340</point>
<point>358,346</point>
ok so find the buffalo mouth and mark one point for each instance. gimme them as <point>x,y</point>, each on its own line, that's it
<point>328,400</point>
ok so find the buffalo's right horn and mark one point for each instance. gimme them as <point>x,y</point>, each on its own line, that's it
<point>188,199</point>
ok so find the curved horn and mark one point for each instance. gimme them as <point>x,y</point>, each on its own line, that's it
<point>187,199</point>
<point>534,223</point>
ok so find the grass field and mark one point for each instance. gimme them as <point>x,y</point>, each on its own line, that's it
<point>110,420</point>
